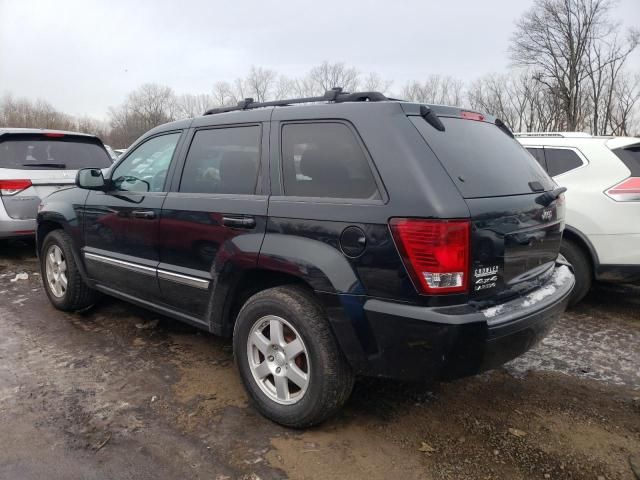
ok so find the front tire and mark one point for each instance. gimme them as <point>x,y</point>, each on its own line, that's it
<point>61,278</point>
<point>288,358</point>
<point>582,271</point>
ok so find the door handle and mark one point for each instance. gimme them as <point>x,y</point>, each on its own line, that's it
<point>144,214</point>
<point>239,222</point>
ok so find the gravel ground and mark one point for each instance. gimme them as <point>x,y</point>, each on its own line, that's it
<point>119,392</point>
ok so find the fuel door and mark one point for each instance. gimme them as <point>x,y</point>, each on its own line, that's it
<point>353,241</point>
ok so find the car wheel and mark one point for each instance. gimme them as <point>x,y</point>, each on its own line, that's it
<point>581,263</point>
<point>288,358</point>
<point>62,281</point>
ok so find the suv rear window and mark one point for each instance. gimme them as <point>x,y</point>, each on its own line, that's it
<point>630,156</point>
<point>481,159</point>
<point>325,160</point>
<point>36,152</point>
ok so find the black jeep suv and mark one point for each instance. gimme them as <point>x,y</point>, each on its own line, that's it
<point>350,235</point>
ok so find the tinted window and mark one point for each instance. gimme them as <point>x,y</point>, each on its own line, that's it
<point>630,156</point>
<point>325,160</point>
<point>561,160</point>
<point>223,160</point>
<point>145,168</point>
<point>481,159</point>
<point>35,152</point>
<point>538,154</point>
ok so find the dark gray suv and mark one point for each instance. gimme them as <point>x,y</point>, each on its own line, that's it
<point>351,235</point>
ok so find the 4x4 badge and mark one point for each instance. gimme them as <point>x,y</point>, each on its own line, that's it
<point>547,215</point>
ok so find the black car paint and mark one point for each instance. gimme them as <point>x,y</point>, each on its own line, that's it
<point>301,238</point>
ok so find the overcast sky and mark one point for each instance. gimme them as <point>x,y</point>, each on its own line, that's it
<point>84,56</point>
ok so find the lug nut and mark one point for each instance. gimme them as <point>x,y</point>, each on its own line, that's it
<point>271,358</point>
<point>278,370</point>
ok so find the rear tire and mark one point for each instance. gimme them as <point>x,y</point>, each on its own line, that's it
<point>61,278</point>
<point>582,270</point>
<point>327,378</point>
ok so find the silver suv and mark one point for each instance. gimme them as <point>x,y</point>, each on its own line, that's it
<point>34,163</point>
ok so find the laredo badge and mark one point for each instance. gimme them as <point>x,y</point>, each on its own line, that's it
<point>485,277</point>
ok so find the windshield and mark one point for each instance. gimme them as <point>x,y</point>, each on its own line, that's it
<point>36,152</point>
<point>481,159</point>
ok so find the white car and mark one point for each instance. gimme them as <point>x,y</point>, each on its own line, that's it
<point>35,163</point>
<point>602,175</point>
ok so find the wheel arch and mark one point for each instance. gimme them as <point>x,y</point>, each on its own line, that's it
<point>580,239</point>
<point>48,224</point>
<point>237,292</point>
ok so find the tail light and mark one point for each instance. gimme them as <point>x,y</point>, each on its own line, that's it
<point>11,187</point>
<point>626,191</point>
<point>435,253</point>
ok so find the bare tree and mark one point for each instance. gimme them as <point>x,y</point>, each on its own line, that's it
<point>190,105</point>
<point>554,38</point>
<point>33,114</point>
<point>606,60</point>
<point>375,83</point>
<point>260,83</point>
<point>329,75</point>
<point>444,90</point>
<point>146,107</point>
<point>623,119</point>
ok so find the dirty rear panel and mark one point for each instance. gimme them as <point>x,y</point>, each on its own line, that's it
<point>515,241</point>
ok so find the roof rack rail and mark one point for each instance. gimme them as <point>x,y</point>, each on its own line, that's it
<point>553,134</point>
<point>335,95</point>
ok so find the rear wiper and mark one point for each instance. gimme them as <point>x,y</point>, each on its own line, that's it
<point>431,118</point>
<point>52,165</point>
<point>547,197</point>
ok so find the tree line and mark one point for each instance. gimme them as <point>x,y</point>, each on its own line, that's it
<point>568,72</point>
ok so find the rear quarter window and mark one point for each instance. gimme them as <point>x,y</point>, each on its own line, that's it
<point>37,152</point>
<point>630,156</point>
<point>481,159</point>
<point>561,160</point>
<point>325,160</point>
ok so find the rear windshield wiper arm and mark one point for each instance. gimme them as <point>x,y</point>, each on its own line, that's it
<point>547,197</point>
<point>52,165</point>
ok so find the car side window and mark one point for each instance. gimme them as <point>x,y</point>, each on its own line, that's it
<point>325,160</point>
<point>223,160</point>
<point>145,168</point>
<point>538,154</point>
<point>561,160</point>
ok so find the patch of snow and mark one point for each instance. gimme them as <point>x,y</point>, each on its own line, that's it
<point>20,276</point>
<point>559,278</point>
<point>493,311</point>
<point>561,275</point>
<point>538,295</point>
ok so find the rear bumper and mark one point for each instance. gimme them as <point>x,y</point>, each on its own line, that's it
<point>15,228</point>
<point>409,342</point>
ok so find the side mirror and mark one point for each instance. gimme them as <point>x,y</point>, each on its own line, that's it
<point>90,179</point>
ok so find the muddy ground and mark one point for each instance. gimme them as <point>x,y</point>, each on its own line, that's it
<point>119,392</point>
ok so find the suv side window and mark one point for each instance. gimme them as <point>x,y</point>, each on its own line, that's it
<point>325,160</point>
<point>145,168</point>
<point>223,160</point>
<point>538,154</point>
<point>561,160</point>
